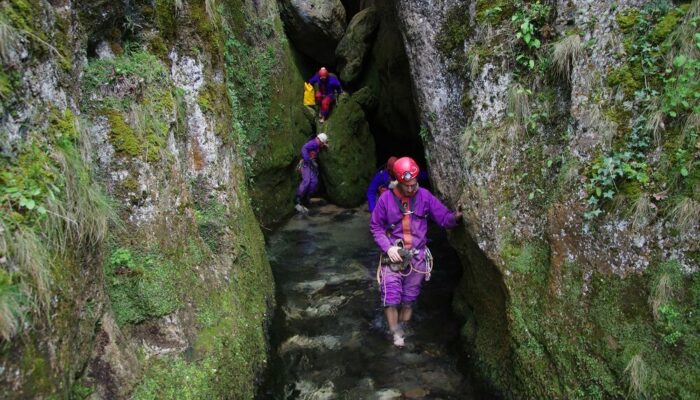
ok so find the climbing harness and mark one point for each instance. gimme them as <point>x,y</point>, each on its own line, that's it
<point>405,267</point>
<point>406,251</point>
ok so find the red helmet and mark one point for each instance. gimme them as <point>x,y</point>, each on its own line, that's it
<point>405,169</point>
<point>390,165</point>
<point>323,72</point>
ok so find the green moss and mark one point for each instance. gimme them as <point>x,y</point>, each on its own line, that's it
<point>158,47</point>
<point>62,127</point>
<point>629,78</point>
<point>141,286</point>
<point>455,30</point>
<point>665,26</point>
<point>165,18</point>
<point>23,15</point>
<point>620,117</point>
<point>175,378</point>
<point>6,85</point>
<point>494,12</point>
<point>126,141</point>
<point>627,20</point>
<point>38,371</point>
<point>211,221</point>
<point>122,137</point>
<point>229,350</point>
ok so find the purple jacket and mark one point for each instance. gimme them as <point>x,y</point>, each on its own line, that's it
<point>310,150</point>
<point>328,88</point>
<point>386,226</point>
<point>380,179</point>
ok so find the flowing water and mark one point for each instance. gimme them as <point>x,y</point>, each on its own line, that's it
<point>329,338</point>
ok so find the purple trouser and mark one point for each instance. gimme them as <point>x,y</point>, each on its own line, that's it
<point>309,180</point>
<point>402,288</point>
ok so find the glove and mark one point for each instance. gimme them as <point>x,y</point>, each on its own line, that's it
<point>394,255</point>
<point>314,164</point>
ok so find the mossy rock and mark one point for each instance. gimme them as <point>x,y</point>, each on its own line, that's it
<point>349,164</point>
<point>354,45</point>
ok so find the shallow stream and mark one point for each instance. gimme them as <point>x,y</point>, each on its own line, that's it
<point>329,337</point>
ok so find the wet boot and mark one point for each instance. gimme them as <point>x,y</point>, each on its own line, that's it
<point>397,337</point>
<point>300,208</point>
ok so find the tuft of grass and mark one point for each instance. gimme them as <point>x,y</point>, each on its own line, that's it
<point>518,106</point>
<point>656,125</point>
<point>642,211</point>
<point>8,41</point>
<point>685,214</point>
<point>682,38</point>
<point>638,377</point>
<point>477,149</point>
<point>692,125</point>
<point>566,52</point>
<point>210,7</point>
<point>10,311</point>
<point>661,295</point>
<point>29,253</point>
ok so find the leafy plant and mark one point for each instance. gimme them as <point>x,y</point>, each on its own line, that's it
<point>528,19</point>
<point>669,320</point>
<point>682,85</point>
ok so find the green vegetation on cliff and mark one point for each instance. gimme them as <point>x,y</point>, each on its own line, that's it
<point>564,329</point>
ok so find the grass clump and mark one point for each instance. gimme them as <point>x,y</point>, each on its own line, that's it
<point>566,52</point>
<point>50,207</point>
<point>10,304</point>
<point>638,377</point>
<point>519,106</point>
<point>685,214</point>
<point>115,83</point>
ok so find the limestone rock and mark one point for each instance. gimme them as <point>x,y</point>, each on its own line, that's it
<point>353,47</point>
<point>113,368</point>
<point>314,26</point>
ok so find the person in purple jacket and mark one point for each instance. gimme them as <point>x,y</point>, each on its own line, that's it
<point>399,224</point>
<point>308,167</point>
<point>328,88</point>
<point>379,183</point>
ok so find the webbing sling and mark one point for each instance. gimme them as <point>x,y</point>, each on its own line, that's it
<point>406,205</point>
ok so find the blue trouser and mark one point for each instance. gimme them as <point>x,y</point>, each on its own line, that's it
<point>309,182</point>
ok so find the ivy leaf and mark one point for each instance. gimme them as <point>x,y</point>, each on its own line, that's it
<point>41,210</point>
<point>684,171</point>
<point>680,60</point>
<point>609,194</point>
<point>29,204</point>
<point>531,63</point>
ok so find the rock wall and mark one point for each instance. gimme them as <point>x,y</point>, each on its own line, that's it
<point>562,129</point>
<point>132,265</point>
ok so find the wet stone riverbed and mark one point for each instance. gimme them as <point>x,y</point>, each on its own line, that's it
<point>329,338</point>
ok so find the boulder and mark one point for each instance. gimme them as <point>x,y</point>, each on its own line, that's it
<point>353,47</point>
<point>314,27</point>
<point>347,167</point>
